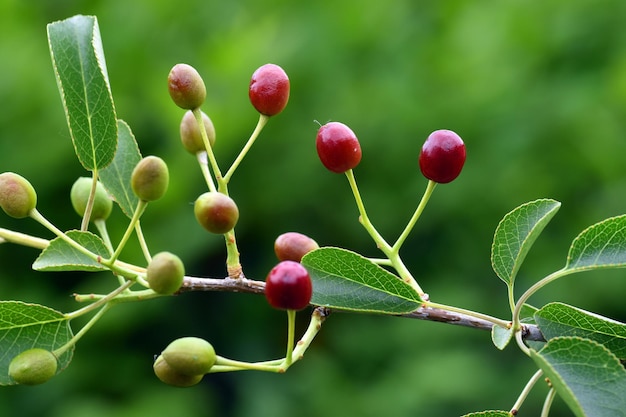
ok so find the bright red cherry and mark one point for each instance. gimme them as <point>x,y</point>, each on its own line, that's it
<point>288,286</point>
<point>442,156</point>
<point>338,147</point>
<point>269,89</point>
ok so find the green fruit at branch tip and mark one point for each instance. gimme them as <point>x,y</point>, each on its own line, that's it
<point>216,212</point>
<point>186,87</point>
<point>190,356</point>
<point>165,273</point>
<point>79,195</point>
<point>150,178</point>
<point>33,366</point>
<point>190,135</point>
<point>168,375</point>
<point>17,195</point>
<point>292,246</point>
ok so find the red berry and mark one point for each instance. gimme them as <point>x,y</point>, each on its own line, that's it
<point>292,246</point>
<point>186,87</point>
<point>442,156</point>
<point>269,89</point>
<point>338,147</point>
<point>288,286</point>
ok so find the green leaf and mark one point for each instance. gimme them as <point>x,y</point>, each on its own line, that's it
<point>61,256</point>
<point>80,69</point>
<point>492,413</point>
<point>588,377</point>
<point>346,280</point>
<point>515,235</point>
<point>24,326</point>
<point>116,177</point>
<point>501,336</point>
<point>557,319</point>
<point>602,245</point>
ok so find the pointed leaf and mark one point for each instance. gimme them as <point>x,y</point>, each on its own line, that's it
<point>501,336</point>
<point>492,413</point>
<point>557,319</point>
<point>345,280</point>
<point>588,377</point>
<point>24,326</point>
<point>602,245</point>
<point>80,69</point>
<point>515,235</point>
<point>61,256</point>
<point>116,176</point>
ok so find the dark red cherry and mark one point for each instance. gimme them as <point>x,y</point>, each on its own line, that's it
<point>288,286</point>
<point>442,156</point>
<point>338,147</point>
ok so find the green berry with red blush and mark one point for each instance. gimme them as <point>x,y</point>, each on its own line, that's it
<point>442,156</point>
<point>269,89</point>
<point>190,135</point>
<point>292,246</point>
<point>150,178</point>
<point>288,286</point>
<point>338,147</point>
<point>216,212</point>
<point>17,195</point>
<point>186,87</point>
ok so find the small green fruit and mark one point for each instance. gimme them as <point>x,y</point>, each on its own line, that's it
<point>33,366</point>
<point>190,135</point>
<point>150,178</point>
<point>190,356</point>
<point>186,87</point>
<point>216,212</point>
<point>79,194</point>
<point>17,195</point>
<point>165,273</point>
<point>168,375</point>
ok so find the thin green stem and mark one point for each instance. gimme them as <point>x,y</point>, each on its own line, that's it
<point>141,206</point>
<point>123,297</point>
<point>524,394</point>
<point>547,404</point>
<point>263,119</point>
<point>381,243</point>
<point>491,319</point>
<point>418,212</point>
<point>107,298</point>
<point>34,214</point>
<point>142,241</point>
<point>393,255</point>
<point>90,201</point>
<point>291,329</point>
<point>209,149</point>
<point>104,234</point>
<point>58,352</point>
<point>204,168</point>
<point>23,239</point>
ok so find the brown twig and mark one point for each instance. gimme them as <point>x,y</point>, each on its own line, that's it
<point>530,331</point>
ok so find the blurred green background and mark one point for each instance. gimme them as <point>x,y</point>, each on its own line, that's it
<point>537,91</point>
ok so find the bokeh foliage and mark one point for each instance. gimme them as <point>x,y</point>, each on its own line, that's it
<point>537,92</point>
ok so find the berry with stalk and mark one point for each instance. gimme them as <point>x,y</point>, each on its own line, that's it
<point>442,156</point>
<point>338,147</point>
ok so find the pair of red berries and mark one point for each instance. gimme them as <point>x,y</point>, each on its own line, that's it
<point>441,159</point>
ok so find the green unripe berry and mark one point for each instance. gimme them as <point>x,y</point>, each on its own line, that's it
<point>190,356</point>
<point>17,195</point>
<point>216,212</point>
<point>186,87</point>
<point>168,375</point>
<point>165,273</point>
<point>79,195</point>
<point>33,366</point>
<point>190,134</point>
<point>150,178</point>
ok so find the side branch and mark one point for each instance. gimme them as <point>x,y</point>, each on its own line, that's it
<point>244,285</point>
